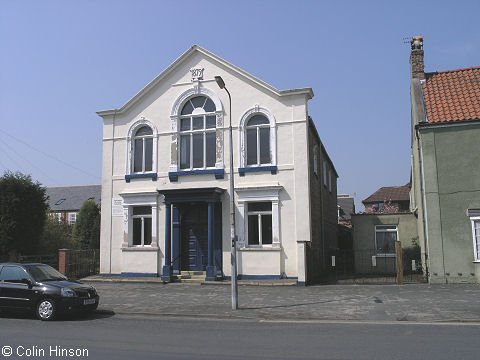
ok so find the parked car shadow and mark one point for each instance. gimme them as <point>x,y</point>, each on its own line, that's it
<point>91,316</point>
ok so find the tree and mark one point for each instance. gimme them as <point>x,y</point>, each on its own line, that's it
<point>86,231</point>
<point>23,209</point>
<point>56,235</point>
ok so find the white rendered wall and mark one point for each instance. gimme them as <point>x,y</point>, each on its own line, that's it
<point>290,113</point>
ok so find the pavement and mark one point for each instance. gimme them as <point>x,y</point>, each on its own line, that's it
<point>420,303</point>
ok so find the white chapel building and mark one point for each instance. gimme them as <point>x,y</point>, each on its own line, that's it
<point>165,178</point>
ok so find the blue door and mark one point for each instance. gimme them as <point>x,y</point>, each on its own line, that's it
<point>194,246</point>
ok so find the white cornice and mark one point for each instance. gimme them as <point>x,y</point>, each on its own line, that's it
<point>307,92</point>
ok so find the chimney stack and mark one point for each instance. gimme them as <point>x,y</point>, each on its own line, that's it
<point>417,65</point>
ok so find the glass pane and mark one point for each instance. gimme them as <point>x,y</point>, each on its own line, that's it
<point>265,146</point>
<point>13,274</point>
<point>211,122</point>
<point>185,124</point>
<point>198,150</point>
<point>210,148</point>
<point>142,210</point>
<point>380,239</point>
<point>253,234</point>
<point>147,231</point>
<point>251,146</point>
<point>266,229</point>
<point>197,122</point>
<point>209,106</point>
<point>185,152</point>
<point>198,101</point>
<point>257,120</point>
<point>476,226</point>
<point>137,232</point>
<point>386,242</point>
<point>260,206</point>
<point>187,108</point>
<point>138,155</point>
<point>144,130</point>
<point>148,154</point>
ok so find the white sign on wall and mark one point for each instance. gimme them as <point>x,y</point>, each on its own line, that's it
<point>117,207</point>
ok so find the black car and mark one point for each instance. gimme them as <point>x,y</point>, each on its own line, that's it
<point>41,288</point>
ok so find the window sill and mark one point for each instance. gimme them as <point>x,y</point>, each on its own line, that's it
<point>140,248</point>
<point>261,248</point>
<point>173,175</point>
<point>152,176</point>
<point>385,255</point>
<point>244,170</point>
<point>476,261</point>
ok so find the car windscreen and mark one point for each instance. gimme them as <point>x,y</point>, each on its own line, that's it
<point>44,273</point>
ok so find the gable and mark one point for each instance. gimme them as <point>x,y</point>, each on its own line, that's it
<point>192,64</point>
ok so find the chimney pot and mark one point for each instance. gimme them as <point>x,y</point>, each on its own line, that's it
<point>417,42</point>
<point>417,65</point>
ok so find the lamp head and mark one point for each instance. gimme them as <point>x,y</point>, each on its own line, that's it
<point>220,82</point>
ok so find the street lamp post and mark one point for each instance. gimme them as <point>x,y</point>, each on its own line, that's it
<point>233,234</point>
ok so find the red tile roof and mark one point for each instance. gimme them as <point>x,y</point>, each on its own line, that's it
<point>389,193</point>
<point>452,95</point>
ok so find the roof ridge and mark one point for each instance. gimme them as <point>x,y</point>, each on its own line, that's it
<point>453,70</point>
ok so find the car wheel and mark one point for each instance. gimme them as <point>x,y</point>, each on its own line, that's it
<point>45,310</point>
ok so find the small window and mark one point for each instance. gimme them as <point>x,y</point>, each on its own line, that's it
<point>259,223</point>
<point>325,173</point>
<point>330,180</point>
<point>142,150</point>
<point>60,202</point>
<point>476,237</point>
<point>385,237</point>
<point>72,218</point>
<point>13,274</point>
<point>142,225</point>
<point>315,160</point>
<point>258,141</point>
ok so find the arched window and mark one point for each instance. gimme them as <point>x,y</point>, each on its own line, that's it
<point>258,141</point>
<point>142,158</point>
<point>197,134</point>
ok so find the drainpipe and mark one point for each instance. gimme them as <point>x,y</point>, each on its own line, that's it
<point>111,189</point>
<point>424,202</point>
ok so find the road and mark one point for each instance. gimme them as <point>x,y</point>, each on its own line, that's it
<point>128,337</point>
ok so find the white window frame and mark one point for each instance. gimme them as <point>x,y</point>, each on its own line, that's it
<point>144,139</point>
<point>58,216</point>
<point>257,110</point>
<point>258,194</point>
<point>130,157</point>
<point>72,218</point>
<point>192,132</point>
<point>175,114</point>
<point>133,199</point>
<point>259,215</point>
<point>142,234</point>
<point>257,145</point>
<point>476,254</point>
<point>377,230</point>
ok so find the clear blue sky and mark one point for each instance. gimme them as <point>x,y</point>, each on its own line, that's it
<point>61,61</point>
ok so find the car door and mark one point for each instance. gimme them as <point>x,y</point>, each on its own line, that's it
<point>15,292</point>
